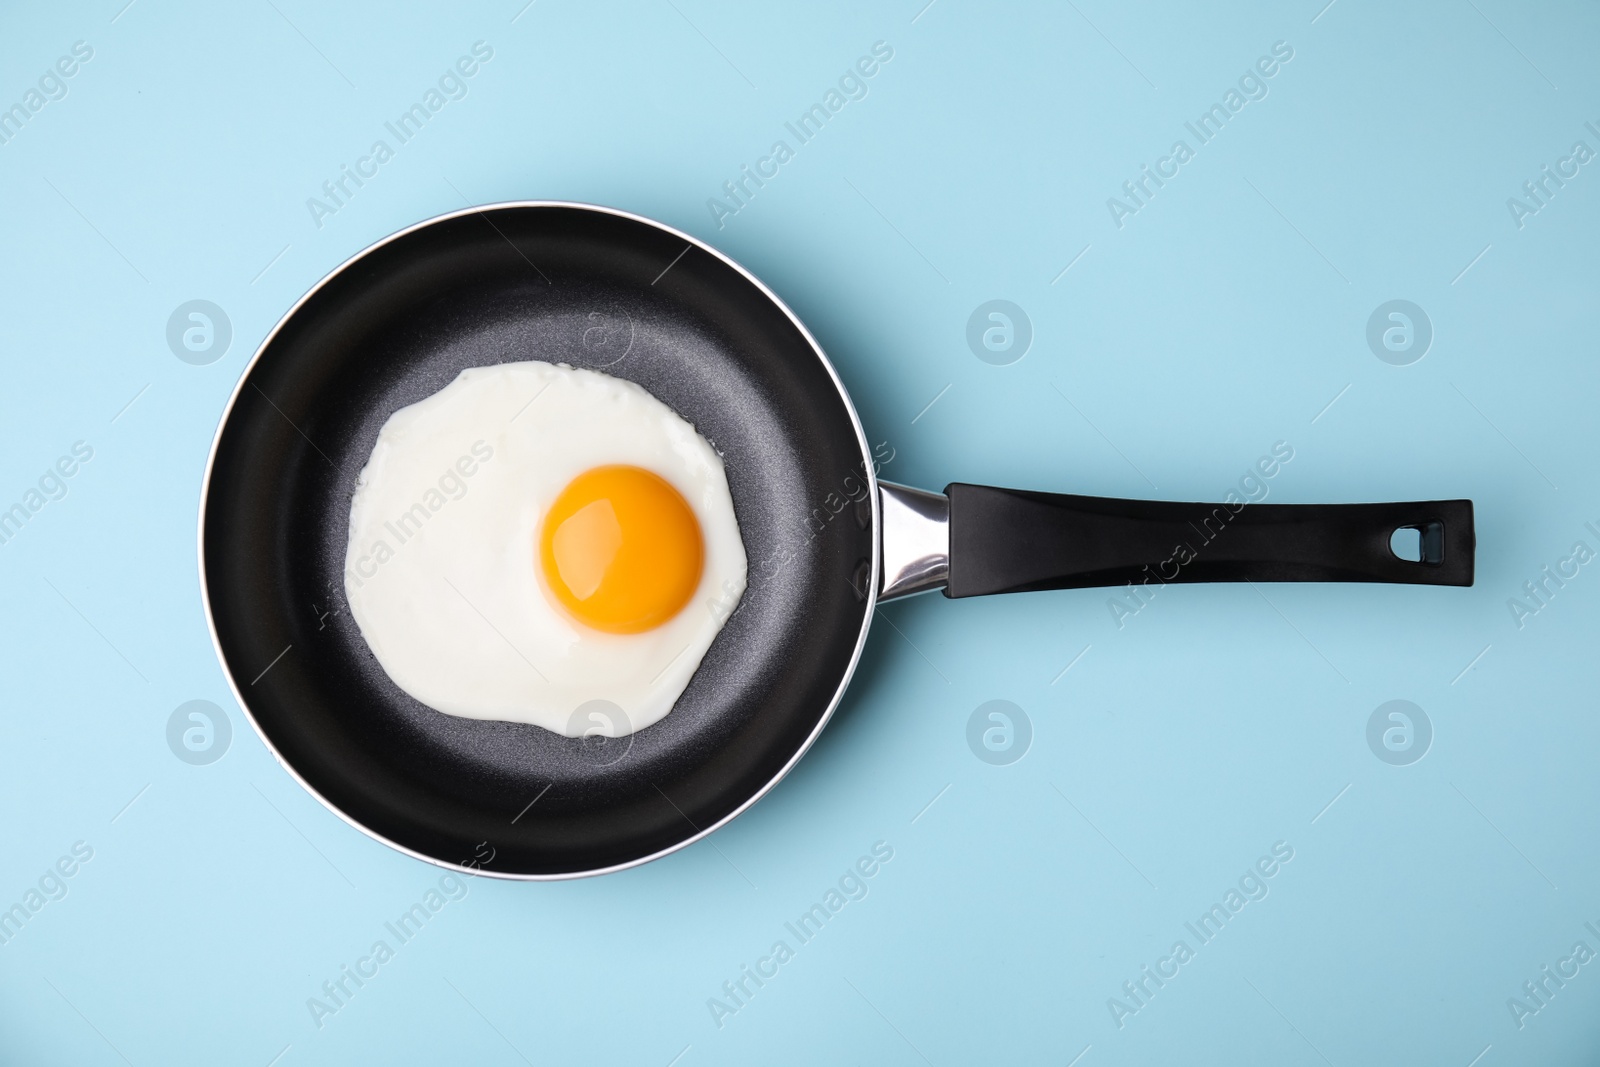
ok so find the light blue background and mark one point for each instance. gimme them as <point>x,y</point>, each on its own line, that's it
<point>1222,318</point>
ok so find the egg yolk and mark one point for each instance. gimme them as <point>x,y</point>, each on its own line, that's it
<point>621,550</point>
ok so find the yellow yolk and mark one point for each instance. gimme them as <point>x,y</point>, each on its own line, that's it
<point>621,550</point>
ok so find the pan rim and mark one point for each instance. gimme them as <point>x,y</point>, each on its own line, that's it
<point>868,469</point>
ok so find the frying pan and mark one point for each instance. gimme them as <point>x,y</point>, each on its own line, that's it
<point>600,288</point>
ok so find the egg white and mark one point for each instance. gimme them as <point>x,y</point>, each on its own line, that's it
<point>441,572</point>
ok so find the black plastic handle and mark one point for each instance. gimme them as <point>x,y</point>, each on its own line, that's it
<point>1011,541</point>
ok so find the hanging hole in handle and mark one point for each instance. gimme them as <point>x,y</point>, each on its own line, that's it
<point>1423,543</point>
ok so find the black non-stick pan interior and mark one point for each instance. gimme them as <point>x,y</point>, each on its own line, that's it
<point>562,284</point>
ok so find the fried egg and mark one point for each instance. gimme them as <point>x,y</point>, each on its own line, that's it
<point>534,538</point>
